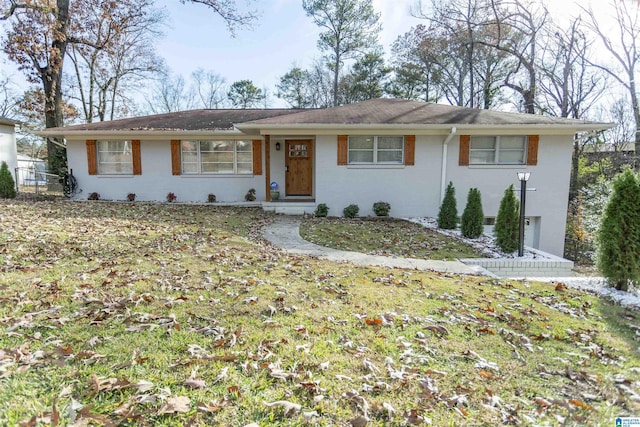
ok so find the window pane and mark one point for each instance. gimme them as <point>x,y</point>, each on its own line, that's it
<point>390,156</point>
<point>189,146</point>
<point>481,157</point>
<point>482,142</point>
<point>222,145</point>
<point>512,142</point>
<point>512,156</point>
<point>361,142</point>
<point>115,168</point>
<point>114,157</point>
<point>243,146</point>
<point>360,156</point>
<point>245,157</point>
<point>245,168</point>
<point>390,142</point>
<point>217,167</point>
<point>212,157</point>
<point>189,168</point>
<point>189,157</point>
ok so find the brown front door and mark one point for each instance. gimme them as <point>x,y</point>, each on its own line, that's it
<point>299,163</point>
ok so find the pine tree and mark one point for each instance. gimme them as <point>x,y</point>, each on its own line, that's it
<point>473,217</point>
<point>7,184</point>
<point>508,222</point>
<point>619,235</point>
<point>448,215</point>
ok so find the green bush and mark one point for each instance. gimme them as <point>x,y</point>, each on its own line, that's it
<point>322,210</point>
<point>7,184</point>
<point>508,222</point>
<point>94,196</point>
<point>619,234</point>
<point>448,215</point>
<point>211,198</point>
<point>381,208</point>
<point>351,211</point>
<point>473,217</point>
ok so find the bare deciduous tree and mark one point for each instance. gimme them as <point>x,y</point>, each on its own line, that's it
<point>119,52</point>
<point>170,94</point>
<point>209,88</point>
<point>621,42</point>
<point>39,33</point>
<point>516,28</point>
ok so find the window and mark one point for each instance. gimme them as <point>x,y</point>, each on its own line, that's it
<point>114,157</point>
<point>376,150</point>
<point>217,157</point>
<point>506,150</point>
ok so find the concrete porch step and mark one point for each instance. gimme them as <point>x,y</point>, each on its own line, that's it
<point>290,207</point>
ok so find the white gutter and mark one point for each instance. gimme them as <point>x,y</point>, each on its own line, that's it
<point>445,145</point>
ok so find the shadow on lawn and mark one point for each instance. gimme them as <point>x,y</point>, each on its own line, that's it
<point>239,220</point>
<point>624,322</point>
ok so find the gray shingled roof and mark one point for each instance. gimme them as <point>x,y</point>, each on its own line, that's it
<point>403,112</point>
<point>184,120</point>
<point>384,112</point>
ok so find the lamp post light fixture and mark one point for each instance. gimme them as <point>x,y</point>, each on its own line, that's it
<point>523,177</point>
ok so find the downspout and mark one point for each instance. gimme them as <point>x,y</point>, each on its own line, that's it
<point>445,145</point>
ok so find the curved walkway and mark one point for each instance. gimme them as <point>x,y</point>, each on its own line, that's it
<point>284,233</point>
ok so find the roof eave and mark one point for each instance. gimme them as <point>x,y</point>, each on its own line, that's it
<point>322,128</point>
<point>142,134</point>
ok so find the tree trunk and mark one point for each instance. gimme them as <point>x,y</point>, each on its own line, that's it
<point>51,76</point>
<point>575,161</point>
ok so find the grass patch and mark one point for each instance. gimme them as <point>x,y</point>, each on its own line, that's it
<point>384,236</point>
<point>171,315</point>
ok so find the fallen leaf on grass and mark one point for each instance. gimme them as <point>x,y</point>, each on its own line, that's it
<point>144,386</point>
<point>176,404</point>
<point>195,383</point>
<point>52,418</point>
<point>581,404</point>
<point>289,408</point>
<point>414,418</point>
<point>213,406</point>
<point>439,331</point>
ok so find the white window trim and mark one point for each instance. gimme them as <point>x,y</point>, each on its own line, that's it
<point>199,159</point>
<point>100,168</point>
<point>375,152</point>
<point>496,152</point>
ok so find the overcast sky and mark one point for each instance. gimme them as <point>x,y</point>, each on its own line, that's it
<point>283,36</point>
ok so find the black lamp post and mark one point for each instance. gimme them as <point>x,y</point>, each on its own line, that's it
<point>523,177</point>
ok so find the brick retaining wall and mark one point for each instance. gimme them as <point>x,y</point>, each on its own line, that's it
<point>545,265</point>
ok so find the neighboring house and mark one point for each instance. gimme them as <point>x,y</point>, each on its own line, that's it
<point>8,147</point>
<point>401,152</point>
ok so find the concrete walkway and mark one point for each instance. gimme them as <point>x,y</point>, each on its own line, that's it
<point>284,233</point>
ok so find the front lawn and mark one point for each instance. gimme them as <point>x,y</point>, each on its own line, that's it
<point>170,315</point>
<point>384,236</point>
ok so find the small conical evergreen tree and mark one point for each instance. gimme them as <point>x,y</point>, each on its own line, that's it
<point>619,235</point>
<point>448,215</point>
<point>508,222</point>
<point>7,184</point>
<point>473,217</point>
